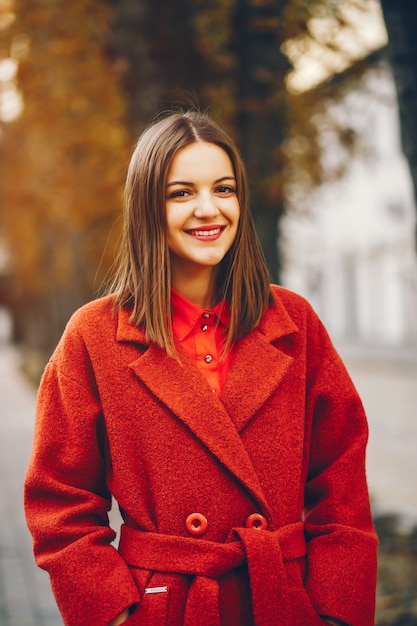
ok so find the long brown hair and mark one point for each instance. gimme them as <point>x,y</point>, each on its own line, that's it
<point>143,277</point>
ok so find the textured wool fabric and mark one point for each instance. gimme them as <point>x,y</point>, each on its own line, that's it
<point>264,552</point>
<point>287,440</point>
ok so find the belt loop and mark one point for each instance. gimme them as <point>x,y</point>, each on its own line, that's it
<point>268,577</point>
<point>202,605</point>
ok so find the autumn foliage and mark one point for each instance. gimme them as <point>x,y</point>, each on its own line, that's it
<point>91,74</point>
<point>63,164</point>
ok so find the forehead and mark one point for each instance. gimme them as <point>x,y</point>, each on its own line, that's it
<point>200,159</point>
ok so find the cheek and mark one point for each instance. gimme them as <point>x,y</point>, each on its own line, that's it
<point>237,225</point>
<point>237,216</point>
<point>176,216</point>
<point>172,222</point>
<point>232,213</point>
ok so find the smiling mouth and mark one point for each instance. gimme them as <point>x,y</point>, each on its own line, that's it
<point>206,232</point>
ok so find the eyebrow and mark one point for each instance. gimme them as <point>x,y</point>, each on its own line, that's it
<point>186,183</point>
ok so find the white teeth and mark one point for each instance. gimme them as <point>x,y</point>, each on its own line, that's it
<point>206,233</point>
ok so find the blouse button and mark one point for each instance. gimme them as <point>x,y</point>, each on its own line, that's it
<point>196,524</point>
<point>208,358</point>
<point>256,521</point>
<point>204,328</point>
<point>206,315</point>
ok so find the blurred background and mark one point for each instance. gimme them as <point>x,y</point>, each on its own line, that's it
<point>321,97</point>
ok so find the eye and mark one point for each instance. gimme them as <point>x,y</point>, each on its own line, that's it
<point>179,193</point>
<point>225,190</point>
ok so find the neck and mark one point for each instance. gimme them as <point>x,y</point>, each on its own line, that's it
<point>199,290</point>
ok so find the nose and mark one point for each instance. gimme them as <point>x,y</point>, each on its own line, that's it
<point>206,206</point>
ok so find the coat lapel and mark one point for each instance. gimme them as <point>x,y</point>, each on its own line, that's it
<point>186,395</point>
<point>256,370</point>
<point>258,366</point>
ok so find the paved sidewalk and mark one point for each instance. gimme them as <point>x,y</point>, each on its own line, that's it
<point>389,390</point>
<point>387,383</point>
<point>25,596</point>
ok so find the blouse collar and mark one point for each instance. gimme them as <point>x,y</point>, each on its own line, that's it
<point>186,314</point>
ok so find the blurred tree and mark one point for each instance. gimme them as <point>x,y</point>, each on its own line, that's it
<point>234,57</point>
<point>63,163</point>
<point>224,56</point>
<point>64,158</point>
<point>401,22</point>
<point>261,113</point>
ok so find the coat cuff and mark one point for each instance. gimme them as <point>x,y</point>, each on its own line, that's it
<point>342,575</point>
<point>97,593</point>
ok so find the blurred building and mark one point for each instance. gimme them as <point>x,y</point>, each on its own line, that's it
<point>352,255</point>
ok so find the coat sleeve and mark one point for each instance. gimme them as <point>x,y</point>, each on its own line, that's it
<point>66,498</point>
<point>342,543</point>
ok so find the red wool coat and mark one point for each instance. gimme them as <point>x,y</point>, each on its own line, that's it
<point>285,442</point>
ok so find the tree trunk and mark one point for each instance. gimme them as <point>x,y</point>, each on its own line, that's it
<point>401,23</point>
<point>166,64</point>
<point>161,65</point>
<point>261,115</point>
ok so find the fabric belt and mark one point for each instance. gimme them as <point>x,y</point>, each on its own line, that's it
<point>264,552</point>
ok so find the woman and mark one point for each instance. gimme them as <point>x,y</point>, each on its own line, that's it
<point>214,409</point>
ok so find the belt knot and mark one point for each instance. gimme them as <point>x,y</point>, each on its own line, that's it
<point>264,551</point>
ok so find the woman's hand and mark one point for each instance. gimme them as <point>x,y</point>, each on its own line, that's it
<point>120,619</point>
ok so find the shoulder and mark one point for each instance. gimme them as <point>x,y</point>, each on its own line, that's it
<point>292,314</point>
<point>293,304</point>
<point>90,327</point>
<point>86,318</point>
<point>289,299</point>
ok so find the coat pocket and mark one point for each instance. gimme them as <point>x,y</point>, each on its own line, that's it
<point>162,596</point>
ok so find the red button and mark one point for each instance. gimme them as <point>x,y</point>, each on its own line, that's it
<point>196,524</point>
<point>256,521</point>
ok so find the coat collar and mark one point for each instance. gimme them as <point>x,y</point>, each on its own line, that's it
<point>275,323</point>
<point>256,365</point>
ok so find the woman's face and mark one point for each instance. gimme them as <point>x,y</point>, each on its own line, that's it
<point>202,209</point>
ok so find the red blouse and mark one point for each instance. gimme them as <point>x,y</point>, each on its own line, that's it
<point>202,332</point>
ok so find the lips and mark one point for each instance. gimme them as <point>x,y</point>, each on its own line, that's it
<point>209,231</point>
